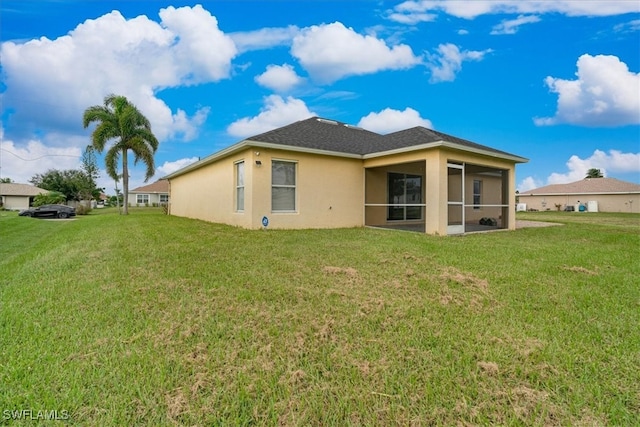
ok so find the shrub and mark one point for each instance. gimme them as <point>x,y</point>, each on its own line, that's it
<point>49,198</point>
<point>82,209</point>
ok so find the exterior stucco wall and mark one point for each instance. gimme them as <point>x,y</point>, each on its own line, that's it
<point>329,191</point>
<point>491,194</point>
<point>208,193</point>
<point>15,203</point>
<point>606,202</point>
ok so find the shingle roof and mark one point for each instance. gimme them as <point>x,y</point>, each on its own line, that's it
<point>160,186</point>
<point>586,186</point>
<point>336,138</point>
<point>420,135</point>
<point>331,135</point>
<point>13,189</point>
<point>322,134</point>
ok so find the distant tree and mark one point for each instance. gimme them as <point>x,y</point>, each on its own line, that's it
<point>5,181</point>
<point>127,129</point>
<point>88,190</point>
<point>61,181</point>
<point>594,173</point>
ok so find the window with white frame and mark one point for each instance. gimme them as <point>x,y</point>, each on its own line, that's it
<point>477,193</point>
<point>142,199</point>
<point>164,198</point>
<point>283,186</point>
<point>240,186</point>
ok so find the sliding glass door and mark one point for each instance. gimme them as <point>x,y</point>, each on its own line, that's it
<point>405,197</point>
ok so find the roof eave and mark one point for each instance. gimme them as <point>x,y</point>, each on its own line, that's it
<point>209,159</point>
<point>261,144</point>
<point>447,144</point>
<point>273,146</point>
<point>257,144</point>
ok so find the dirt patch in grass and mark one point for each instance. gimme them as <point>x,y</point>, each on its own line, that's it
<point>461,288</point>
<point>582,270</point>
<point>349,272</point>
<point>176,402</point>
<point>488,368</point>
<point>465,279</point>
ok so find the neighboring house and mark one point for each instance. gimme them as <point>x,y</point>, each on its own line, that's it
<point>16,197</point>
<point>155,194</point>
<point>609,195</point>
<point>319,173</point>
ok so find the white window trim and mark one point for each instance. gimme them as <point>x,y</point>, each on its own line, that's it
<point>138,196</point>
<point>294,186</point>
<point>237,187</point>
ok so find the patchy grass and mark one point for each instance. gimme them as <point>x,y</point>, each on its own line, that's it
<point>156,320</point>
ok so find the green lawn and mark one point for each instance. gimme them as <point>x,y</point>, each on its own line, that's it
<point>157,320</point>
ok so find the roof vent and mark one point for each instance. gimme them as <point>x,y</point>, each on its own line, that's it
<point>329,122</point>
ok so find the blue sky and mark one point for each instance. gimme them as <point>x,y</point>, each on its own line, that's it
<point>557,82</point>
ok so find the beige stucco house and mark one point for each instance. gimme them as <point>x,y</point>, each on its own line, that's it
<point>594,194</point>
<point>154,194</point>
<point>17,197</point>
<point>319,173</point>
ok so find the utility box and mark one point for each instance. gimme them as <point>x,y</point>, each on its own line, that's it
<point>592,206</point>
<point>521,207</point>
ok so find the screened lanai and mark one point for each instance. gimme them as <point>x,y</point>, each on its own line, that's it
<point>459,198</point>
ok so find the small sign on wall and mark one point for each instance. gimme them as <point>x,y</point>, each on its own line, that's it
<point>265,221</point>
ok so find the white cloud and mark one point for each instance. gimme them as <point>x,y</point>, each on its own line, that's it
<point>411,18</point>
<point>277,112</point>
<point>170,167</point>
<point>614,161</point>
<point>202,52</point>
<point>21,163</point>
<point>279,78</point>
<point>605,94</point>
<point>264,38</point>
<point>628,27</point>
<point>469,9</point>
<point>389,120</point>
<point>110,54</point>
<point>448,59</point>
<point>511,26</point>
<point>331,52</point>
<point>529,183</point>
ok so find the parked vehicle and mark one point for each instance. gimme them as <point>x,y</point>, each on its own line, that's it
<point>49,211</point>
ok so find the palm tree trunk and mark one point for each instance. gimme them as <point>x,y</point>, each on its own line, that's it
<point>125,182</point>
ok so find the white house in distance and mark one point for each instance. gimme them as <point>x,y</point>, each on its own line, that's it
<point>18,196</point>
<point>154,194</point>
<point>596,194</point>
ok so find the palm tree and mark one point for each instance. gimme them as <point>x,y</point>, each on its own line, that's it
<point>594,173</point>
<point>122,123</point>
